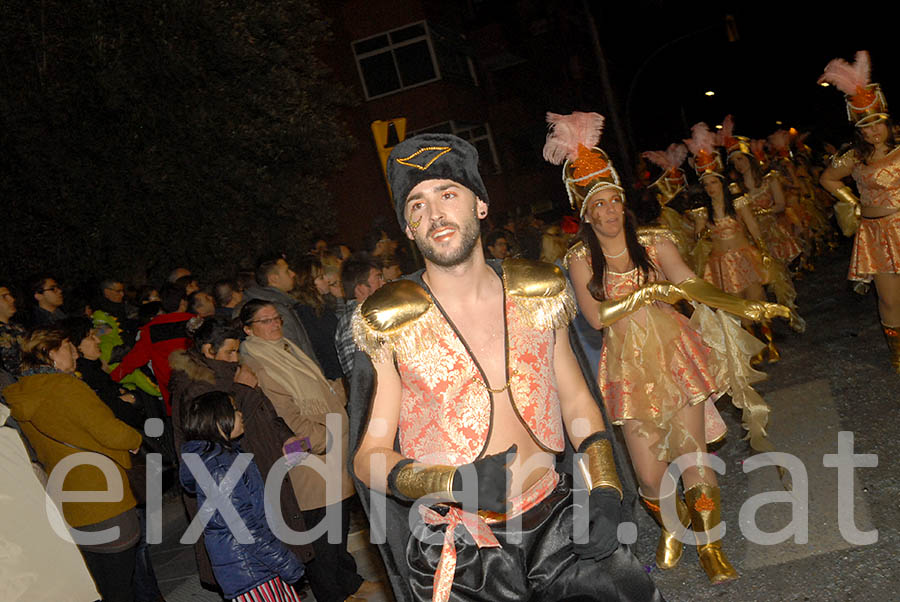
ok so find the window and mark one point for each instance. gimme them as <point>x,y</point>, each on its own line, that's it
<point>477,134</point>
<point>411,56</point>
<point>395,60</point>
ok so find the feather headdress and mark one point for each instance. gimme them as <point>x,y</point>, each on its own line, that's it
<point>780,142</point>
<point>725,136</point>
<point>568,133</point>
<point>672,180</point>
<point>866,104</point>
<point>702,146</point>
<point>572,142</point>
<point>849,79</point>
<point>702,139</point>
<point>671,158</point>
<point>758,149</point>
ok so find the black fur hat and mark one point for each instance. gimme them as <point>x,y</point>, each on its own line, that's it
<point>432,157</point>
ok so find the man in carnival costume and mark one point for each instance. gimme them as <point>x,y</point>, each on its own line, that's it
<point>479,396</point>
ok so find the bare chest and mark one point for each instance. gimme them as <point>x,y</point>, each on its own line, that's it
<point>482,330</point>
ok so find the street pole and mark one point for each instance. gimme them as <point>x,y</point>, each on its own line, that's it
<point>611,105</point>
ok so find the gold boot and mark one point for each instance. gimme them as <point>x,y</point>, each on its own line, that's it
<point>705,508</point>
<point>760,357</point>
<point>669,548</point>
<point>892,335</point>
<point>766,330</point>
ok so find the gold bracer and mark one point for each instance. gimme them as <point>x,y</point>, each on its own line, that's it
<point>598,466</point>
<point>697,289</point>
<point>767,259</point>
<point>846,210</point>
<point>613,310</point>
<point>416,480</point>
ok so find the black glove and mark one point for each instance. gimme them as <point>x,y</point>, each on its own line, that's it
<point>492,476</point>
<point>604,507</point>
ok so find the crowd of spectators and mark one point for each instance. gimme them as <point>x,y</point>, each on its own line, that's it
<point>85,373</point>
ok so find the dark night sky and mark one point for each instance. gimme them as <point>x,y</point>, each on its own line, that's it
<point>769,74</point>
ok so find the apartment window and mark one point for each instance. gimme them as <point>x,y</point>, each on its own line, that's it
<point>477,134</point>
<point>396,60</point>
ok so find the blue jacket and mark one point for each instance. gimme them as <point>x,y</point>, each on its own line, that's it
<point>239,567</point>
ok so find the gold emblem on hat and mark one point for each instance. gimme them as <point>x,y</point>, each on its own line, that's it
<point>431,153</point>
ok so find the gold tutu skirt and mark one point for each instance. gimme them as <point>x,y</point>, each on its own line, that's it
<point>653,368</point>
<point>735,269</point>
<point>781,243</point>
<point>876,249</point>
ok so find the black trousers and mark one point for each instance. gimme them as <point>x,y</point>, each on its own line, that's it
<point>332,573</point>
<point>535,562</point>
<point>112,573</point>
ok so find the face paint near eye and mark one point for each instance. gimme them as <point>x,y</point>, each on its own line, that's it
<point>450,212</point>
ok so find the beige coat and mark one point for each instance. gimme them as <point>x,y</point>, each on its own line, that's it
<point>309,484</point>
<point>37,564</point>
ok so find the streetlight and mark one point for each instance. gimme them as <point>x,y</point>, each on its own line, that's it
<point>709,93</point>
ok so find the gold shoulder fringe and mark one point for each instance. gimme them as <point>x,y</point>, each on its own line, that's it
<point>577,251</point>
<point>396,319</point>
<point>647,235</point>
<point>741,202</point>
<point>846,159</point>
<point>698,212</point>
<point>543,295</point>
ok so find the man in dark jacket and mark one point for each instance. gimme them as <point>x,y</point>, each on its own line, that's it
<point>48,299</point>
<point>274,279</point>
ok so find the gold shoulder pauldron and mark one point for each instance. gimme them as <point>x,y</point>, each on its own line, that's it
<point>387,322</point>
<point>541,292</point>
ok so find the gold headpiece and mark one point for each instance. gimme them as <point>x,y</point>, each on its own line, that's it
<point>866,104</point>
<point>587,169</point>
<point>672,180</point>
<point>705,159</point>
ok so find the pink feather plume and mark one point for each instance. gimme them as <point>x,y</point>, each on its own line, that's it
<point>779,139</point>
<point>670,158</point>
<point>701,138</point>
<point>758,148</point>
<point>848,78</point>
<point>567,132</point>
<point>726,132</point>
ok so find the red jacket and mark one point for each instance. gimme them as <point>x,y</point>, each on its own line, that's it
<point>156,340</point>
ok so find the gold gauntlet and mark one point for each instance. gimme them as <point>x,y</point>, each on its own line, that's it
<point>846,210</point>
<point>697,289</point>
<point>598,468</point>
<point>615,309</point>
<point>413,481</point>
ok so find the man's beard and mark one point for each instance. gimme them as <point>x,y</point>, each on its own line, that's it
<point>468,238</point>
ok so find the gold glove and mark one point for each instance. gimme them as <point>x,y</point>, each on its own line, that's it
<point>697,289</point>
<point>597,467</point>
<point>613,310</point>
<point>846,210</point>
<point>413,480</point>
<point>767,260</point>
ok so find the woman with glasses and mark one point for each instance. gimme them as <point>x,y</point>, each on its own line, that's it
<point>314,408</point>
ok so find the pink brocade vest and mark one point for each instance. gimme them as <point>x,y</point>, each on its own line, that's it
<point>445,415</point>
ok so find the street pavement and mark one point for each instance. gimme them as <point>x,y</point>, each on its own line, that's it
<point>834,378</point>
